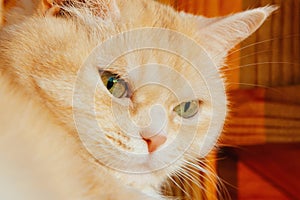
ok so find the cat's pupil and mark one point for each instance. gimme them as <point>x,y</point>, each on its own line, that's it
<point>187,106</point>
<point>110,83</point>
<point>187,109</point>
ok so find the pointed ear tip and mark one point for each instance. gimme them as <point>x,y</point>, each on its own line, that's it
<point>262,13</point>
<point>269,9</point>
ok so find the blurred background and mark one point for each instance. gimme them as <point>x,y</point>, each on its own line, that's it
<point>259,153</point>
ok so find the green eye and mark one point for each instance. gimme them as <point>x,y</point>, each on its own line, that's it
<point>187,109</point>
<point>116,86</point>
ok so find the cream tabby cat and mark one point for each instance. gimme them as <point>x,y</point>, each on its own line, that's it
<point>107,99</point>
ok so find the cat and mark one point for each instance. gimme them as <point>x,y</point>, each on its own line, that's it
<point>108,99</point>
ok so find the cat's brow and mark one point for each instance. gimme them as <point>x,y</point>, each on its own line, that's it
<point>116,69</point>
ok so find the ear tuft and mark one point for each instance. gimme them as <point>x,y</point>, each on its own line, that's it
<point>268,10</point>
<point>258,16</point>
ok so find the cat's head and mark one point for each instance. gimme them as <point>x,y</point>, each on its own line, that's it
<point>142,82</point>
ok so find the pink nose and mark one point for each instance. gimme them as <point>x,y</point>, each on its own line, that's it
<point>154,142</point>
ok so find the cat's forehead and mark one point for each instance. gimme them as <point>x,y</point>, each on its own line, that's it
<point>169,57</point>
<point>163,69</point>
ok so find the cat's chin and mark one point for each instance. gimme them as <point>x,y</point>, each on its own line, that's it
<point>148,183</point>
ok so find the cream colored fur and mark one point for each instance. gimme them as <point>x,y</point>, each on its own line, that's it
<point>42,55</point>
<point>39,160</point>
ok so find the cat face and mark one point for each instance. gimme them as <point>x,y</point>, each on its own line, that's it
<point>151,101</point>
<point>172,104</point>
<point>141,84</point>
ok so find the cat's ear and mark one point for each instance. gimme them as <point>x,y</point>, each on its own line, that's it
<point>48,8</point>
<point>101,8</point>
<point>219,35</point>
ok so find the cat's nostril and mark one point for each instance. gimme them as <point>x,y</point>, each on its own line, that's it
<point>154,142</point>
